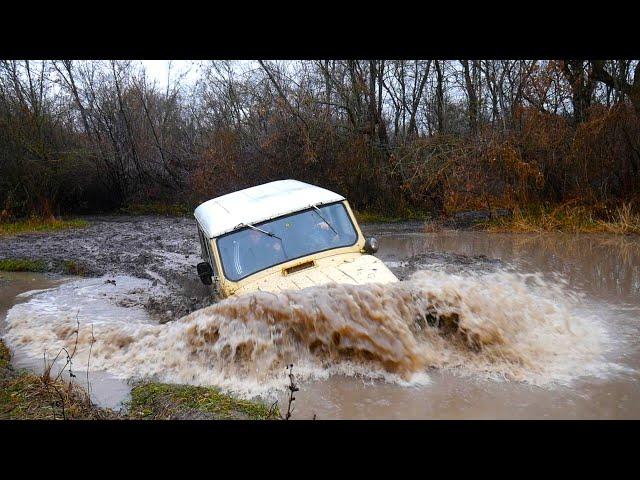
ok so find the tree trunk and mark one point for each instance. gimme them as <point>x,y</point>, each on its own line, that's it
<point>473,98</point>
<point>439,97</point>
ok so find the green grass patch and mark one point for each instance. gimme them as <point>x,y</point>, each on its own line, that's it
<point>35,224</point>
<point>163,401</point>
<point>26,396</point>
<point>22,265</point>
<point>67,267</point>
<point>164,209</point>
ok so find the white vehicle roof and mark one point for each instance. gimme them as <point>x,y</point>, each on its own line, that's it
<point>256,204</point>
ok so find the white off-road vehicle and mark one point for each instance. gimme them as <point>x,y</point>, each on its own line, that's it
<point>283,235</point>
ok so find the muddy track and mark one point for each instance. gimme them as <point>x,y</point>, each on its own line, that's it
<point>165,251</point>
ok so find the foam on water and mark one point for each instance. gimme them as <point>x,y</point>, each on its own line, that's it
<point>500,325</point>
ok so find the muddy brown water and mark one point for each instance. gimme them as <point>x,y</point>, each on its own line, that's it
<point>606,268</point>
<point>106,390</point>
<point>602,270</point>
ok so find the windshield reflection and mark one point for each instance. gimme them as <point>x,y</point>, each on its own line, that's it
<point>250,250</point>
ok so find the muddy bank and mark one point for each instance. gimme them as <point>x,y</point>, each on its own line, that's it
<point>164,251</point>
<point>29,390</point>
<point>28,396</point>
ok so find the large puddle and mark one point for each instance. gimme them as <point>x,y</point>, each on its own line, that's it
<point>550,331</point>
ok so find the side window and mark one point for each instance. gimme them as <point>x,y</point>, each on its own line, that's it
<point>205,248</point>
<point>211,258</point>
<point>203,245</point>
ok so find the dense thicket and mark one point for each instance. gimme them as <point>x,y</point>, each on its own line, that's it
<point>393,136</point>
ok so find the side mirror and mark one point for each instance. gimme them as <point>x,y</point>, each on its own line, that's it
<point>371,245</point>
<point>205,273</point>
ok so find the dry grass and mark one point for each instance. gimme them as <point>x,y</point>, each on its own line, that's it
<point>34,397</point>
<point>35,224</point>
<point>432,227</point>
<point>624,221</point>
<point>567,218</point>
<point>26,396</point>
<point>366,216</point>
<point>5,356</point>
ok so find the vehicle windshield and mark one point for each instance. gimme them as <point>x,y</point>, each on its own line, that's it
<point>247,251</point>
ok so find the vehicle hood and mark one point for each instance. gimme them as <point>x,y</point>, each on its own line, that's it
<point>350,268</point>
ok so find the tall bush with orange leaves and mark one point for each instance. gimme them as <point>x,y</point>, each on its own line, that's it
<point>547,160</point>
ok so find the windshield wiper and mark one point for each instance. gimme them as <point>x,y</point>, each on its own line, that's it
<point>266,233</point>
<point>260,230</point>
<point>324,219</point>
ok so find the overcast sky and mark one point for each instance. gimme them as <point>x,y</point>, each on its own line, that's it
<point>159,69</point>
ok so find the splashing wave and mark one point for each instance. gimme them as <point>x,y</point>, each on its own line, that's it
<point>499,325</point>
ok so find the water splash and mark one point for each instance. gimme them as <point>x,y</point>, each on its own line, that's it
<point>499,325</point>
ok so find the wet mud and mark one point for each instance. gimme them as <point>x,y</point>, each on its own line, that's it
<point>166,250</point>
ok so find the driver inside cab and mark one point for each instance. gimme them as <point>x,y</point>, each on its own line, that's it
<point>256,251</point>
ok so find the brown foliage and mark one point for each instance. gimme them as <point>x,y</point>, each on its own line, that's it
<point>395,137</point>
<point>548,160</point>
